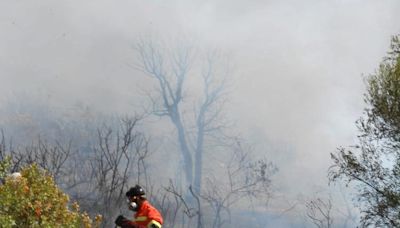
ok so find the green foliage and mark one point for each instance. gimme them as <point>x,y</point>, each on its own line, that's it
<point>374,164</point>
<point>34,200</point>
<point>4,166</point>
<point>383,97</point>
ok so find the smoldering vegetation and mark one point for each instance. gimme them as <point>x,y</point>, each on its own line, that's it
<point>206,175</point>
<point>229,125</point>
<point>179,143</point>
<point>95,158</point>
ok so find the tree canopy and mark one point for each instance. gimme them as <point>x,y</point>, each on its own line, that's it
<point>373,165</point>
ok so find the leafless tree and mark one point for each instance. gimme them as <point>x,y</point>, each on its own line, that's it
<point>181,209</point>
<point>319,211</point>
<point>170,203</point>
<point>245,178</point>
<point>172,69</point>
<point>117,159</point>
<point>50,157</point>
<point>241,178</point>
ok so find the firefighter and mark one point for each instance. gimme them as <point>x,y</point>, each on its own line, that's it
<point>146,216</point>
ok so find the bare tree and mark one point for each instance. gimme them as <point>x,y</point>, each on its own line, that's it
<point>171,203</point>
<point>170,87</point>
<point>49,156</point>
<point>171,69</point>
<point>245,178</point>
<point>181,207</point>
<point>117,159</point>
<point>319,211</point>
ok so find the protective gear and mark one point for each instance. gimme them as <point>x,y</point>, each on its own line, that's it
<point>135,191</point>
<point>121,220</point>
<point>133,206</point>
<point>148,216</point>
<point>126,223</point>
<point>155,225</point>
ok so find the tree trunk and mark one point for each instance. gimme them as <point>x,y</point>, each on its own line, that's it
<point>198,162</point>
<point>187,157</point>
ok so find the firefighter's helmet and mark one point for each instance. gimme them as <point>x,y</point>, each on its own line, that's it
<point>135,191</point>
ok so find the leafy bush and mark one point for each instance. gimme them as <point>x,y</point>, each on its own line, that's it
<point>4,166</point>
<point>34,200</point>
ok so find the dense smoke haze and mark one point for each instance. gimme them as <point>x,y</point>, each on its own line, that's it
<point>296,82</point>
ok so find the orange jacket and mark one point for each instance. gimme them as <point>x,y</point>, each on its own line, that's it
<point>146,216</point>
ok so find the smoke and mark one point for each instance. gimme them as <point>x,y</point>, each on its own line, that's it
<point>297,75</point>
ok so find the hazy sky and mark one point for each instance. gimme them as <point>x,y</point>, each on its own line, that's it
<point>298,64</point>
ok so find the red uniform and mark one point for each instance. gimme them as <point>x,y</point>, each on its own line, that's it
<point>146,216</point>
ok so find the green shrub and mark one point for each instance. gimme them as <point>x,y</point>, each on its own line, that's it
<point>34,200</point>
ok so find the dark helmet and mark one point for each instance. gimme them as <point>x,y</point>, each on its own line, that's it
<point>135,191</point>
